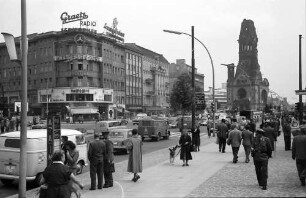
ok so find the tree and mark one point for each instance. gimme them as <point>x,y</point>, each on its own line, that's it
<point>181,94</point>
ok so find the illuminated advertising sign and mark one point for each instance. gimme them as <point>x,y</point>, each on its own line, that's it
<point>113,32</point>
<point>82,17</point>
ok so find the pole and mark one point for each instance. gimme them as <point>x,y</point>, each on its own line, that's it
<point>23,135</point>
<point>300,81</point>
<point>192,80</point>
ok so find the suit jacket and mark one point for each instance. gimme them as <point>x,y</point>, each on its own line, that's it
<point>96,151</point>
<point>247,137</point>
<point>234,138</point>
<point>222,130</point>
<point>109,150</point>
<point>299,147</point>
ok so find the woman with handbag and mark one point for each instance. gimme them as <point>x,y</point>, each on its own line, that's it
<point>185,143</point>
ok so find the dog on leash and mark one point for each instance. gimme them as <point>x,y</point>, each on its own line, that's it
<point>173,153</point>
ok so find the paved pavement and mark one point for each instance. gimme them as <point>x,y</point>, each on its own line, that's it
<point>210,174</point>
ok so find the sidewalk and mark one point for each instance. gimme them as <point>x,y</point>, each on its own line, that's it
<point>210,174</point>
<point>165,180</point>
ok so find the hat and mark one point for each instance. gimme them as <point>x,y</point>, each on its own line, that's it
<point>260,131</point>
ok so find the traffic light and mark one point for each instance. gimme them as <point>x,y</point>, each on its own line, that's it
<point>100,109</point>
<point>212,107</point>
<point>297,106</point>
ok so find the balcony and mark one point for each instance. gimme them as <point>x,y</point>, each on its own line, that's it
<point>149,80</point>
<point>149,93</point>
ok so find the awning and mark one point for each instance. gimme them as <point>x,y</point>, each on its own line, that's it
<point>118,109</point>
<point>84,111</point>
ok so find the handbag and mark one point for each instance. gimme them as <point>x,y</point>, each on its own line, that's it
<point>192,148</point>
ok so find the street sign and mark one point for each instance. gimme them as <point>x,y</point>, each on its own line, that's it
<point>53,135</point>
<point>300,92</point>
<point>200,100</point>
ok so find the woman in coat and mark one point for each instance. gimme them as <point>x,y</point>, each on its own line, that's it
<point>185,143</point>
<point>196,139</point>
<point>134,148</point>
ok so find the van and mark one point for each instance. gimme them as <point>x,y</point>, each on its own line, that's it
<point>153,128</point>
<point>106,125</point>
<point>36,153</point>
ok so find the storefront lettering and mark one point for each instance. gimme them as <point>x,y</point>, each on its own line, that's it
<point>79,90</point>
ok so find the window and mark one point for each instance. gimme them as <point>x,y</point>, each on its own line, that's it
<point>12,143</point>
<point>71,66</point>
<point>79,49</point>
<point>80,66</point>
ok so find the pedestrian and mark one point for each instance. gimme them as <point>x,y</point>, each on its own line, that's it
<point>209,126</point>
<point>270,133</point>
<point>247,141</point>
<point>287,135</point>
<point>57,177</point>
<point>299,154</point>
<point>109,166</point>
<point>17,123</point>
<point>7,125</point>
<point>234,139</point>
<point>261,152</point>
<point>134,148</point>
<point>196,139</point>
<point>222,135</point>
<point>96,154</point>
<point>2,125</point>
<point>185,143</point>
<point>252,125</point>
<point>72,156</point>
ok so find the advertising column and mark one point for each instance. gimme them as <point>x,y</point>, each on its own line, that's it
<point>53,135</point>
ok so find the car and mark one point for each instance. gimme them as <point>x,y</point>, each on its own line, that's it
<point>119,137</point>
<point>173,125</point>
<point>203,122</point>
<point>42,124</point>
<point>124,122</point>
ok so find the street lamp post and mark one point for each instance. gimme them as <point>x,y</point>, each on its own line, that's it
<point>10,43</point>
<point>212,65</point>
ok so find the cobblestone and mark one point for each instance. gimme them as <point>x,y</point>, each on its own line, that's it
<point>239,180</point>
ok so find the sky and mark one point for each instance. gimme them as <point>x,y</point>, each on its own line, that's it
<point>216,23</point>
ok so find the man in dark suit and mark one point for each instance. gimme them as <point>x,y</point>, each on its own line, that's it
<point>299,154</point>
<point>287,135</point>
<point>270,133</point>
<point>96,153</point>
<point>261,152</point>
<point>222,135</point>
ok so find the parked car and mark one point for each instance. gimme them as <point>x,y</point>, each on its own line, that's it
<point>203,122</point>
<point>42,124</point>
<point>139,116</point>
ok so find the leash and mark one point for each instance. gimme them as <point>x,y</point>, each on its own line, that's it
<point>177,153</point>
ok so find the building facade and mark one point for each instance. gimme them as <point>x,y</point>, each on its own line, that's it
<point>71,71</point>
<point>246,88</point>
<point>179,68</point>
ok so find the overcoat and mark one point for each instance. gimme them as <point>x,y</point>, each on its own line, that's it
<point>185,142</point>
<point>134,147</point>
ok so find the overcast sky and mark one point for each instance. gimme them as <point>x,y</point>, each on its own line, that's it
<point>217,24</point>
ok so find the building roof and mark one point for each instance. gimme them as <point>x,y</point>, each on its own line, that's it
<point>152,54</point>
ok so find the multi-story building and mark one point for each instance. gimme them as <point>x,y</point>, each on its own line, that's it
<point>71,71</point>
<point>220,97</point>
<point>134,78</point>
<point>179,68</point>
<point>154,76</point>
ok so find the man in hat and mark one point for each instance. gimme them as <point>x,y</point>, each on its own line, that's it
<point>109,166</point>
<point>261,152</point>
<point>299,154</point>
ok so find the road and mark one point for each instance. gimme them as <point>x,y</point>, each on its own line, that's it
<point>148,146</point>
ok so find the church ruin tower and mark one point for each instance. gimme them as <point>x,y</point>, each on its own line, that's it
<point>247,90</point>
